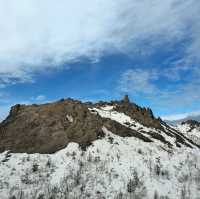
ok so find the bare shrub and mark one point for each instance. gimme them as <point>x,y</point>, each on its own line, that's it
<point>156,196</point>
<point>135,187</point>
<point>119,195</point>
<point>35,167</point>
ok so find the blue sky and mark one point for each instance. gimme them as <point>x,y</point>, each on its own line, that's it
<point>101,50</point>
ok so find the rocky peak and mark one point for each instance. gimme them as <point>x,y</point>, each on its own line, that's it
<point>126,99</point>
<point>142,115</point>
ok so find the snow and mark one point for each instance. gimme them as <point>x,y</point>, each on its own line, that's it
<point>123,119</point>
<point>106,167</point>
<point>70,118</point>
<point>193,134</point>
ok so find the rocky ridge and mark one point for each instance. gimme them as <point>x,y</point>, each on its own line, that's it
<point>50,127</point>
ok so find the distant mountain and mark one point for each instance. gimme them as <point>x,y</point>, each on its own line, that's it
<point>104,150</point>
<point>174,122</point>
<point>192,123</point>
<point>191,128</point>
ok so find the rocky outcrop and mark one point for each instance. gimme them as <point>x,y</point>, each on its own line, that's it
<point>50,127</point>
<point>142,115</point>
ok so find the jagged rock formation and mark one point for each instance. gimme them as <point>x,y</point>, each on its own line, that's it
<point>142,115</point>
<point>50,127</point>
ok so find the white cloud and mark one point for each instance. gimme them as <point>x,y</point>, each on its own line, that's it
<point>161,89</point>
<point>40,98</point>
<point>38,34</point>
<point>138,81</point>
<point>175,116</point>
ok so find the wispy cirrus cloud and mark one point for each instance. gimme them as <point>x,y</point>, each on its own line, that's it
<point>37,35</point>
<point>139,81</point>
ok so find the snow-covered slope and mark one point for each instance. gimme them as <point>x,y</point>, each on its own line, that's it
<point>168,137</point>
<point>113,167</point>
<point>191,131</point>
